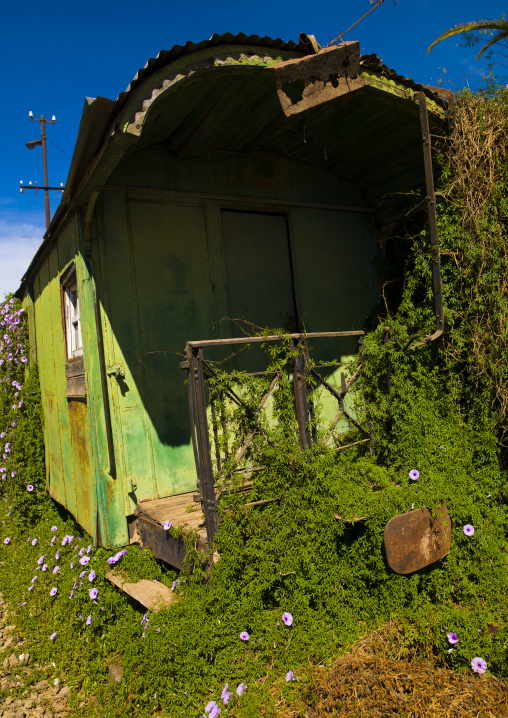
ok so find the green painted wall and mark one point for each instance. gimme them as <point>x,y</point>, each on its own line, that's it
<point>70,470</point>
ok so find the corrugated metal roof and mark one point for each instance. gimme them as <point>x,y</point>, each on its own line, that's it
<point>226,38</point>
<point>102,113</point>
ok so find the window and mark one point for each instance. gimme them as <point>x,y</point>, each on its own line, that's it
<point>72,322</point>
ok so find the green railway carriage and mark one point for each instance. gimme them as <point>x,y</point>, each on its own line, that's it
<point>240,177</point>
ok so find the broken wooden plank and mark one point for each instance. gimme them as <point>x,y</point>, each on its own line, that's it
<point>417,539</point>
<point>153,595</point>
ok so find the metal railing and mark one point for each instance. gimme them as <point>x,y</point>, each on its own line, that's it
<point>306,378</point>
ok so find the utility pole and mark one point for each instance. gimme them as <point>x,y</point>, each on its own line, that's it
<point>30,146</point>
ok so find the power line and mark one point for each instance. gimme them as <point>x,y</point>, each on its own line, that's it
<point>58,148</point>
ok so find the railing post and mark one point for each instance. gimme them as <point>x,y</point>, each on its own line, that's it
<point>300,389</point>
<point>204,463</point>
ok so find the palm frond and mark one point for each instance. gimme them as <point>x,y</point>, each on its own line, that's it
<point>500,36</point>
<point>501,24</point>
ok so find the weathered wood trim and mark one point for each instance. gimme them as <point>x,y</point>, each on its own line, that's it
<point>75,374</point>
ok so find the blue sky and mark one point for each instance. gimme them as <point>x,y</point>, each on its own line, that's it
<point>56,53</point>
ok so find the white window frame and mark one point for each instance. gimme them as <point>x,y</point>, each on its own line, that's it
<point>72,322</point>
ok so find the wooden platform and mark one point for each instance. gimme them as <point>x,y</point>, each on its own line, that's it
<point>146,526</point>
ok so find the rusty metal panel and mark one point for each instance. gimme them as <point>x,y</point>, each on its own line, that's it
<point>417,539</point>
<point>83,473</point>
<point>309,81</point>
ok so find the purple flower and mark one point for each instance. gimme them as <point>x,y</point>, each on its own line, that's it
<point>56,569</point>
<point>34,542</point>
<point>52,637</point>
<point>24,360</point>
<point>88,620</point>
<point>112,560</point>
<point>54,528</point>
<point>289,676</point>
<point>226,695</point>
<point>57,555</point>
<point>452,637</point>
<point>414,474</point>
<point>83,573</point>
<point>287,618</point>
<point>212,709</point>
<point>173,586</point>
<point>84,560</point>
<point>34,579</point>
<point>40,560</point>
<point>13,474</point>
<point>244,636</point>
<point>53,591</point>
<point>30,488</point>
<point>241,688</point>
<point>45,567</point>
<point>91,575</point>
<point>478,665</point>
<point>93,593</point>
<point>468,530</point>
<point>7,540</point>
<point>167,525</point>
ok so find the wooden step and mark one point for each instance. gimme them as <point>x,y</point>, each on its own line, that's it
<point>146,527</point>
<point>153,595</point>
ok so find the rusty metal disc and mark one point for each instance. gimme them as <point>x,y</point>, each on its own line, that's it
<point>417,539</point>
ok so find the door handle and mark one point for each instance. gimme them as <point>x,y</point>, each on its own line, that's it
<point>116,370</point>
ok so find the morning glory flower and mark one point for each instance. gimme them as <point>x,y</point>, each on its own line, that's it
<point>7,540</point>
<point>57,555</point>
<point>287,618</point>
<point>167,525</point>
<point>241,688</point>
<point>56,569</point>
<point>452,637</point>
<point>289,676</point>
<point>34,542</point>
<point>93,593</point>
<point>54,528</point>
<point>468,530</point>
<point>24,360</point>
<point>53,591</point>
<point>30,488</point>
<point>478,665</point>
<point>226,695</point>
<point>84,560</point>
<point>45,567</point>
<point>83,573</point>
<point>244,636</point>
<point>40,560</point>
<point>91,575</point>
<point>52,637</point>
<point>88,620</point>
<point>414,474</point>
